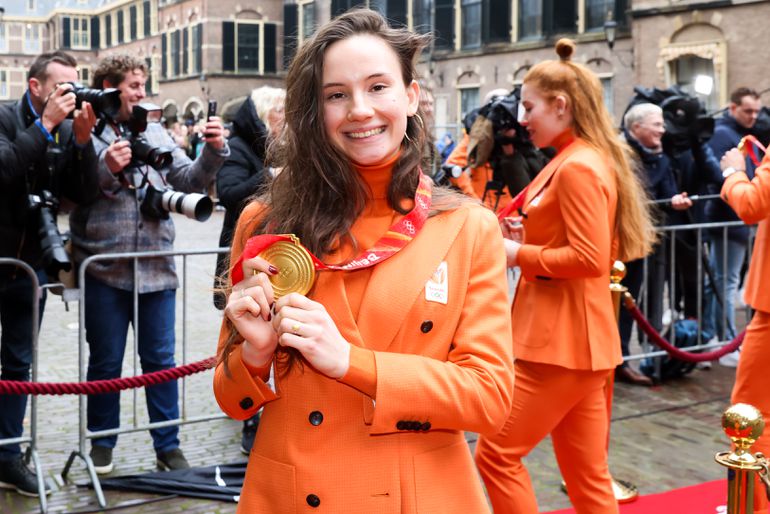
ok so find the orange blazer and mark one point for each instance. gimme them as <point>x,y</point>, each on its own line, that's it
<point>562,312</point>
<point>475,184</point>
<point>751,201</point>
<point>442,368</point>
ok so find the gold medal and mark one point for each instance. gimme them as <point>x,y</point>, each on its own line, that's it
<point>296,273</point>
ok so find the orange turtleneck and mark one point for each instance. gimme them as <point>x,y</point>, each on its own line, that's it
<point>378,216</point>
<point>563,140</point>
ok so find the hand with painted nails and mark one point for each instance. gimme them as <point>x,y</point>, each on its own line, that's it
<point>306,325</point>
<point>249,309</point>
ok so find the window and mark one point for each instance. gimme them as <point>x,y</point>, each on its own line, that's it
<point>249,46</point>
<point>107,30</point>
<point>471,23</point>
<point>5,92</point>
<point>132,23</point>
<point>32,38</point>
<point>596,14</point>
<point>80,36</point>
<point>147,9</point>
<point>84,75</point>
<point>121,26</point>
<point>530,19</point>
<point>195,48</point>
<point>3,38</point>
<point>690,70</point>
<point>306,20</point>
<point>421,20</point>
<point>609,100</point>
<point>444,25</point>
<point>175,50</point>
<point>469,100</point>
<point>496,21</point>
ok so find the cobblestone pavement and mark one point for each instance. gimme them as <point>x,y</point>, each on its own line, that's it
<point>662,437</point>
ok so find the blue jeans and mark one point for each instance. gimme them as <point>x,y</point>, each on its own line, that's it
<point>16,300</point>
<point>109,311</point>
<point>727,275</point>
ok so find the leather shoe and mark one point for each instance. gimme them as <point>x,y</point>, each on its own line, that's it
<point>629,375</point>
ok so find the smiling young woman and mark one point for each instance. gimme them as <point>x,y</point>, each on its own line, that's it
<point>403,343</point>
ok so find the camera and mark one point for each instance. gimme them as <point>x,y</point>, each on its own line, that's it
<point>141,151</point>
<point>158,203</point>
<point>55,257</point>
<point>106,102</point>
<point>685,117</point>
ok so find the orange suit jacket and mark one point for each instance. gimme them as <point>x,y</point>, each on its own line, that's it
<point>442,368</point>
<point>562,312</point>
<point>475,184</point>
<point>751,201</point>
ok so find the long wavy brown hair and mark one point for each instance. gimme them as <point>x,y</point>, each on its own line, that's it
<point>634,227</point>
<point>318,195</point>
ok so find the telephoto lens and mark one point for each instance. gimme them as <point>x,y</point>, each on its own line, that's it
<point>192,205</point>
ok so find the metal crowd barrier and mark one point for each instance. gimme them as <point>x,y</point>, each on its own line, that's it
<point>31,453</point>
<point>667,234</point>
<point>135,426</point>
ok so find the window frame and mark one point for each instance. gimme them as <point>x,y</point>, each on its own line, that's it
<point>37,40</point>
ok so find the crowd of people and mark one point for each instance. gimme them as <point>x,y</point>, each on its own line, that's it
<point>403,337</point>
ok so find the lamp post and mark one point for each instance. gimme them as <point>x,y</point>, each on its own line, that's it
<point>610,33</point>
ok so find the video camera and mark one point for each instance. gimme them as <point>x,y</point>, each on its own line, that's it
<point>55,257</point>
<point>488,127</point>
<point>106,102</point>
<point>685,116</point>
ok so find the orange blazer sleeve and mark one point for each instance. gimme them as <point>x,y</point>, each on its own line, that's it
<point>256,392</point>
<point>584,202</point>
<point>749,199</point>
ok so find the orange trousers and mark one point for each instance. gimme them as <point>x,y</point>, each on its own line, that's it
<point>752,386</point>
<point>572,407</point>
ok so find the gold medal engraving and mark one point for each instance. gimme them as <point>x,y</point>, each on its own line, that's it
<point>296,273</point>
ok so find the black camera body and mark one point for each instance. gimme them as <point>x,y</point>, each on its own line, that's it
<point>106,102</point>
<point>143,152</point>
<point>55,257</point>
<point>685,117</point>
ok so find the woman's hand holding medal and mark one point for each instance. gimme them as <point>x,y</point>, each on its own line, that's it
<point>249,309</point>
<point>293,320</point>
<point>304,324</point>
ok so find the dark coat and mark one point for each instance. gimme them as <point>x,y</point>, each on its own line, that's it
<point>727,134</point>
<point>241,176</point>
<point>30,164</point>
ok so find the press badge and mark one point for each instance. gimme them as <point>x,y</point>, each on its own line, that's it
<point>437,287</point>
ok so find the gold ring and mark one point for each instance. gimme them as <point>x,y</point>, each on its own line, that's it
<point>295,329</point>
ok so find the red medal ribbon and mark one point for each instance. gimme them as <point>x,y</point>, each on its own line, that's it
<point>749,145</point>
<point>396,238</point>
<point>516,204</point>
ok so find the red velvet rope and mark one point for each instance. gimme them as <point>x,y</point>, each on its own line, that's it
<point>106,386</point>
<point>672,350</point>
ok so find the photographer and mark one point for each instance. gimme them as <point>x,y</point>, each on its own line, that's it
<point>124,219</point>
<point>501,158</point>
<point>43,156</point>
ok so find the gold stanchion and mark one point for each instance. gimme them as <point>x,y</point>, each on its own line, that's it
<point>743,424</point>
<point>624,492</point>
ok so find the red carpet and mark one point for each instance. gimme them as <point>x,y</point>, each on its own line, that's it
<point>706,498</point>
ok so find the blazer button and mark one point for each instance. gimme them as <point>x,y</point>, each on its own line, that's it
<point>414,425</point>
<point>313,500</point>
<point>401,425</point>
<point>246,403</point>
<point>316,418</point>
<point>426,326</point>
<point>425,426</point>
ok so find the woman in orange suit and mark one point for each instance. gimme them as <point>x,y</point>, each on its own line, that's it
<point>751,201</point>
<point>585,208</point>
<point>380,368</point>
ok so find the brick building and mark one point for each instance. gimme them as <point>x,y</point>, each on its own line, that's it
<point>221,49</point>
